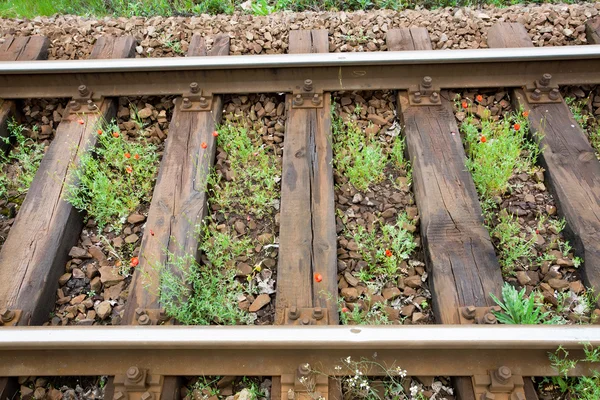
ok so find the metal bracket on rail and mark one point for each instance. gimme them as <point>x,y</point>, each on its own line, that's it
<point>306,316</point>
<point>196,99</point>
<point>543,91</point>
<point>499,384</point>
<point>424,94</point>
<point>306,96</point>
<point>9,317</point>
<point>305,384</point>
<point>478,315</point>
<point>152,316</point>
<point>84,102</point>
<point>138,384</point>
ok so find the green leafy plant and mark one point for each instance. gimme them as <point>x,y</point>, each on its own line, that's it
<point>20,164</point>
<point>113,178</point>
<point>374,315</point>
<point>521,310</point>
<point>578,387</point>
<point>513,249</point>
<point>357,156</point>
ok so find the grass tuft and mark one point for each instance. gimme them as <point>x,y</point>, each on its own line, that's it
<point>518,309</point>
<point>113,178</point>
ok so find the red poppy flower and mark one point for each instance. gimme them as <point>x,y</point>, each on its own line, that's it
<point>483,139</point>
<point>345,310</point>
<point>204,145</point>
<point>517,127</point>
<point>215,134</point>
<point>127,155</point>
<point>151,232</point>
<point>479,98</point>
<point>137,156</point>
<point>129,169</point>
<point>318,277</point>
<point>388,253</point>
<point>526,114</point>
<point>81,122</point>
<point>134,262</point>
<point>99,131</point>
<point>464,104</point>
<point>116,134</point>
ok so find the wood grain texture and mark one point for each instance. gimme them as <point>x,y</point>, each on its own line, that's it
<point>179,202</point>
<point>307,225</point>
<point>408,39</point>
<point>18,49</point>
<point>459,254</point>
<point>572,170</point>
<point>36,250</point>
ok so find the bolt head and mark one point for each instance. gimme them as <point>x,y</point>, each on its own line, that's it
<point>147,396</point>
<point>133,372</point>
<point>504,373</point>
<point>318,313</point>
<point>118,396</point>
<point>427,81</point>
<point>139,311</point>
<point>304,369</point>
<point>194,87</point>
<point>144,320</point>
<point>489,318</point>
<point>291,395</point>
<point>488,396</point>
<point>305,321</point>
<point>293,313</point>
<point>7,315</point>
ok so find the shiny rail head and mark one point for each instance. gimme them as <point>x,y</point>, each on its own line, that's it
<point>507,337</point>
<point>422,57</point>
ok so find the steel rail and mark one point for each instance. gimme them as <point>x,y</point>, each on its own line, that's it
<point>423,350</point>
<point>286,73</point>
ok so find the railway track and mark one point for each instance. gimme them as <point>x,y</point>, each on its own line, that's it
<point>147,357</point>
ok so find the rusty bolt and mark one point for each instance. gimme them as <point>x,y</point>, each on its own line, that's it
<point>469,312</point>
<point>545,81</point>
<point>308,85</point>
<point>291,395</point>
<point>318,313</point>
<point>203,102</point>
<point>162,315</point>
<point>489,319</point>
<point>83,90</point>
<point>554,93</point>
<point>118,396</point>
<point>316,100</point>
<point>147,396</point>
<point>488,396</point>
<point>417,97</point>
<point>294,313</point>
<point>298,100</point>
<point>305,321</point>
<point>194,88</point>
<point>304,369</point>
<point>6,315</point>
<point>139,312</point>
<point>186,103</point>
<point>134,374</point>
<point>426,82</point>
<point>503,374</point>
<point>91,105</point>
<point>536,95</point>
<point>75,106</point>
<point>435,97</point>
<point>144,320</point>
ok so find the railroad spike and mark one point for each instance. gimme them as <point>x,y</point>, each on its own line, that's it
<point>7,315</point>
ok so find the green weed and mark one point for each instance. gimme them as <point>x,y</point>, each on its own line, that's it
<point>513,249</point>
<point>113,178</point>
<point>586,121</point>
<point>577,387</point>
<point>20,164</point>
<point>374,315</point>
<point>520,310</point>
<point>357,156</point>
<point>496,151</point>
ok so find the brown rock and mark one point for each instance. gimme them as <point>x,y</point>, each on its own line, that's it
<point>551,210</point>
<point>77,299</point>
<point>145,113</point>
<point>418,317</point>
<point>577,287</point>
<point>78,252</point>
<point>97,253</point>
<point>351,279</point>
<point>103,309</point>
<point>64,278</point>
<point>265,238</point>
<point>26,392</point>
<point>110,276</point>
<point>558,284</point>
<point>244,269</point>
<point>261,301</point>
<point>77,273</point>
<point>407,310</point>
<point>114,292</point>
<point>118,241</point>
<point>391,293</point>
<point>376,119</point>
<point>96,284</point>
<point>240,227</point>
<point>132,238</point>
<point>523,278</point>
<point>136,218</point>
<point>413,281</point>
<point>350,294</point>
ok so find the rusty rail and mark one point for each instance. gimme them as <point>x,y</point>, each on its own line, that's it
<point>178,350</point>
<point>286,73</point>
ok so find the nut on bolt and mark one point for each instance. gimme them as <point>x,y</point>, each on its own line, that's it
<point>488,396</point>
<point>554,94</point>
<point>469,312</point>
<point>435,97</point>
<point>305,321</point>
<point>304,369</point>
<point>83,90</point>
<point>118,396</point>
<point>503,374</point>
<point>91,105</point>
<point>6,315</point>
<point>318,313</point>
<point>316,100</point>
<point>147,396</point>
<point>489,319</point>
<point>134,374</point>
<point>186,103</point>
<point>291,395</point>
<point>536,95</point>
<point>298,100</point>
<point>417,97</point>
<point>294,313</point>
<point>75,106</point>
<point>426,82</point>
<point>203,102</point>
<point>194,87</point>
<point>308,85</point>
<point>545,81</point>
<point>144,320</point>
